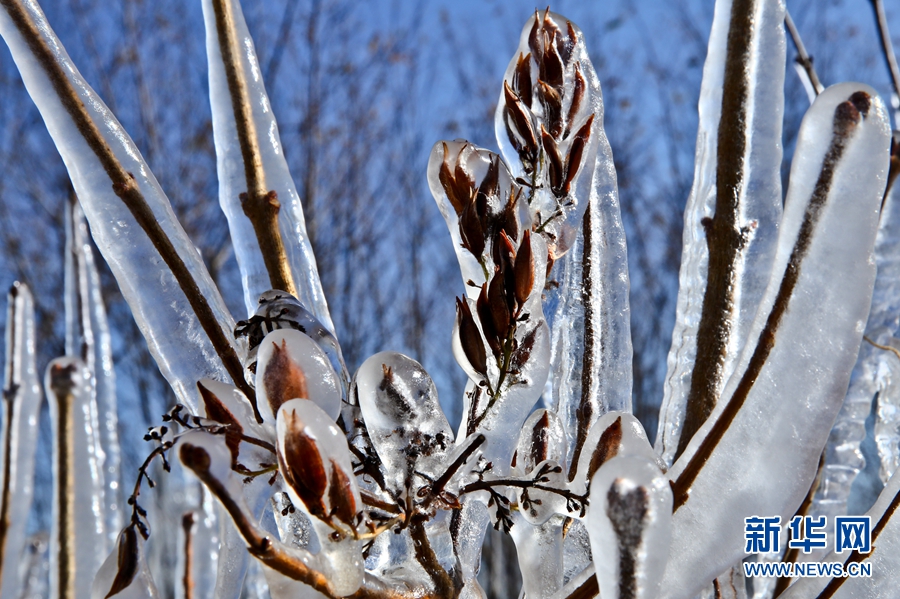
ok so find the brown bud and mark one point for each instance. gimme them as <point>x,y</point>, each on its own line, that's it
<point>217,411</point>
<point>522,78</point>
<point>552,103</point>
<point>607,447</point>
<point>534,38</point>
<point>567,46</point>
<point>340,496</point>
<point>554,162</point>
<point>499,307</point>
<point>283,378</point>
<point>576,152</point>
<point>524,269</point>
<point>301,466</point>
<point>521,118</point>
<point>508,220</point>
<point>126,562</point>
<point>449,184</point>
<point>471,232</point>
<point>523,351</point>
<point>551,67</point>
<point>540,440</point>
<point>470,338</point>
<point>846,118</point>
<point>578,87</point>
<point>490,185</point>
<point>483,307</point>
<point>465,183</point>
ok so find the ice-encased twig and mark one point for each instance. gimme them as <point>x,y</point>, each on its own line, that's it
<point>78,536</point>
<point>876,373</point>
<point>738,186</point>
<point>87,336</point>
<point>884,558</point>
<point>21,407</point>
<point>161,274</point>
<point>791,379</point>
<point>232,179</point>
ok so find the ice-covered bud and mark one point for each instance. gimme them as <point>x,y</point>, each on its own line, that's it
<point>125,574</point>
<point>400,405</point>
<point>292,366</point>
<point>281,310</point>
<point>314,460</point>
<point>629,523</point>
<point>473,357</point>
<point>539,454</point>
<point>614,434</point>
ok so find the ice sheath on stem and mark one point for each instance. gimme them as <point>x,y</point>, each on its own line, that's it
<point>733,210</point>
<point>159,270</point>
<point>22,399</point>
<point>778,406</point>
<point>238,97</point>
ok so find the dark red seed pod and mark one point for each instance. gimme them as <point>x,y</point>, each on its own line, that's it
<point>520,117</point>
<point>340,496</point>
<point>554,162</point>
<point>524,269</point>
<point>471,231</point>
<point>485,315</point>
<point>499,307</point>
<point>552,103</point>
<point>576,151</point>
<point>301,466</point>
<point>522,78</point>
<point>470,338</point>
<point>578,88</point>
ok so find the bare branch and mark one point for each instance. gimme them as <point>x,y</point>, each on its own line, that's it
<point>887,47</point>
<point>804,60</point>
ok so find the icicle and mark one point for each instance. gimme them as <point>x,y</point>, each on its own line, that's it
<point>400,406</point>
<point>790,381</point>
<point>21,408</point>
<point>78,538</point>
<point>540,554</point>
<point>83,313</point>
<point>123,202</point>
<point>754,130</point>
<point>125,574</point>
<point>232,178</point>
<point>629,522</point>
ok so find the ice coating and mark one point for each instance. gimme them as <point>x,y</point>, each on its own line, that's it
<point>35,567</point>
<point>285,347</point>
<point>551,109</point>
<point>232,181</point>
<point>884,559</point>
<point>400,406</point>
<point>315,462</point>
<point>501,419</point>
<point>281,310</point>
<point>589,311</point>
<point>541,449</point>
<point>760,200</point>
<point>87,336</point>
<point>464,159</point>
<point>629,523</point>
<point>21,408</point>
<point>78,536</point>
<point>539,550</point>
<point>159,305</point>
<point>137,583</point>
<point>614,434</point>
<point>778,434</point>
<point>877,372</point>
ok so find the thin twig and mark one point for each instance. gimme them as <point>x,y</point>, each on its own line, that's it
<point>803,58</point>
<point>126,188</point>
<point>10,395</point>
<point>893,350</point>
<point>260,205</point>
<point>187,578</point>
<point>886,46</point>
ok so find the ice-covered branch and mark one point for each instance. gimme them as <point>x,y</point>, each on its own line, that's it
<point>158,268</point>
<point>887,47</point>
<point>21,406</point>
<point>804,61</point>
<point>731,218</point>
